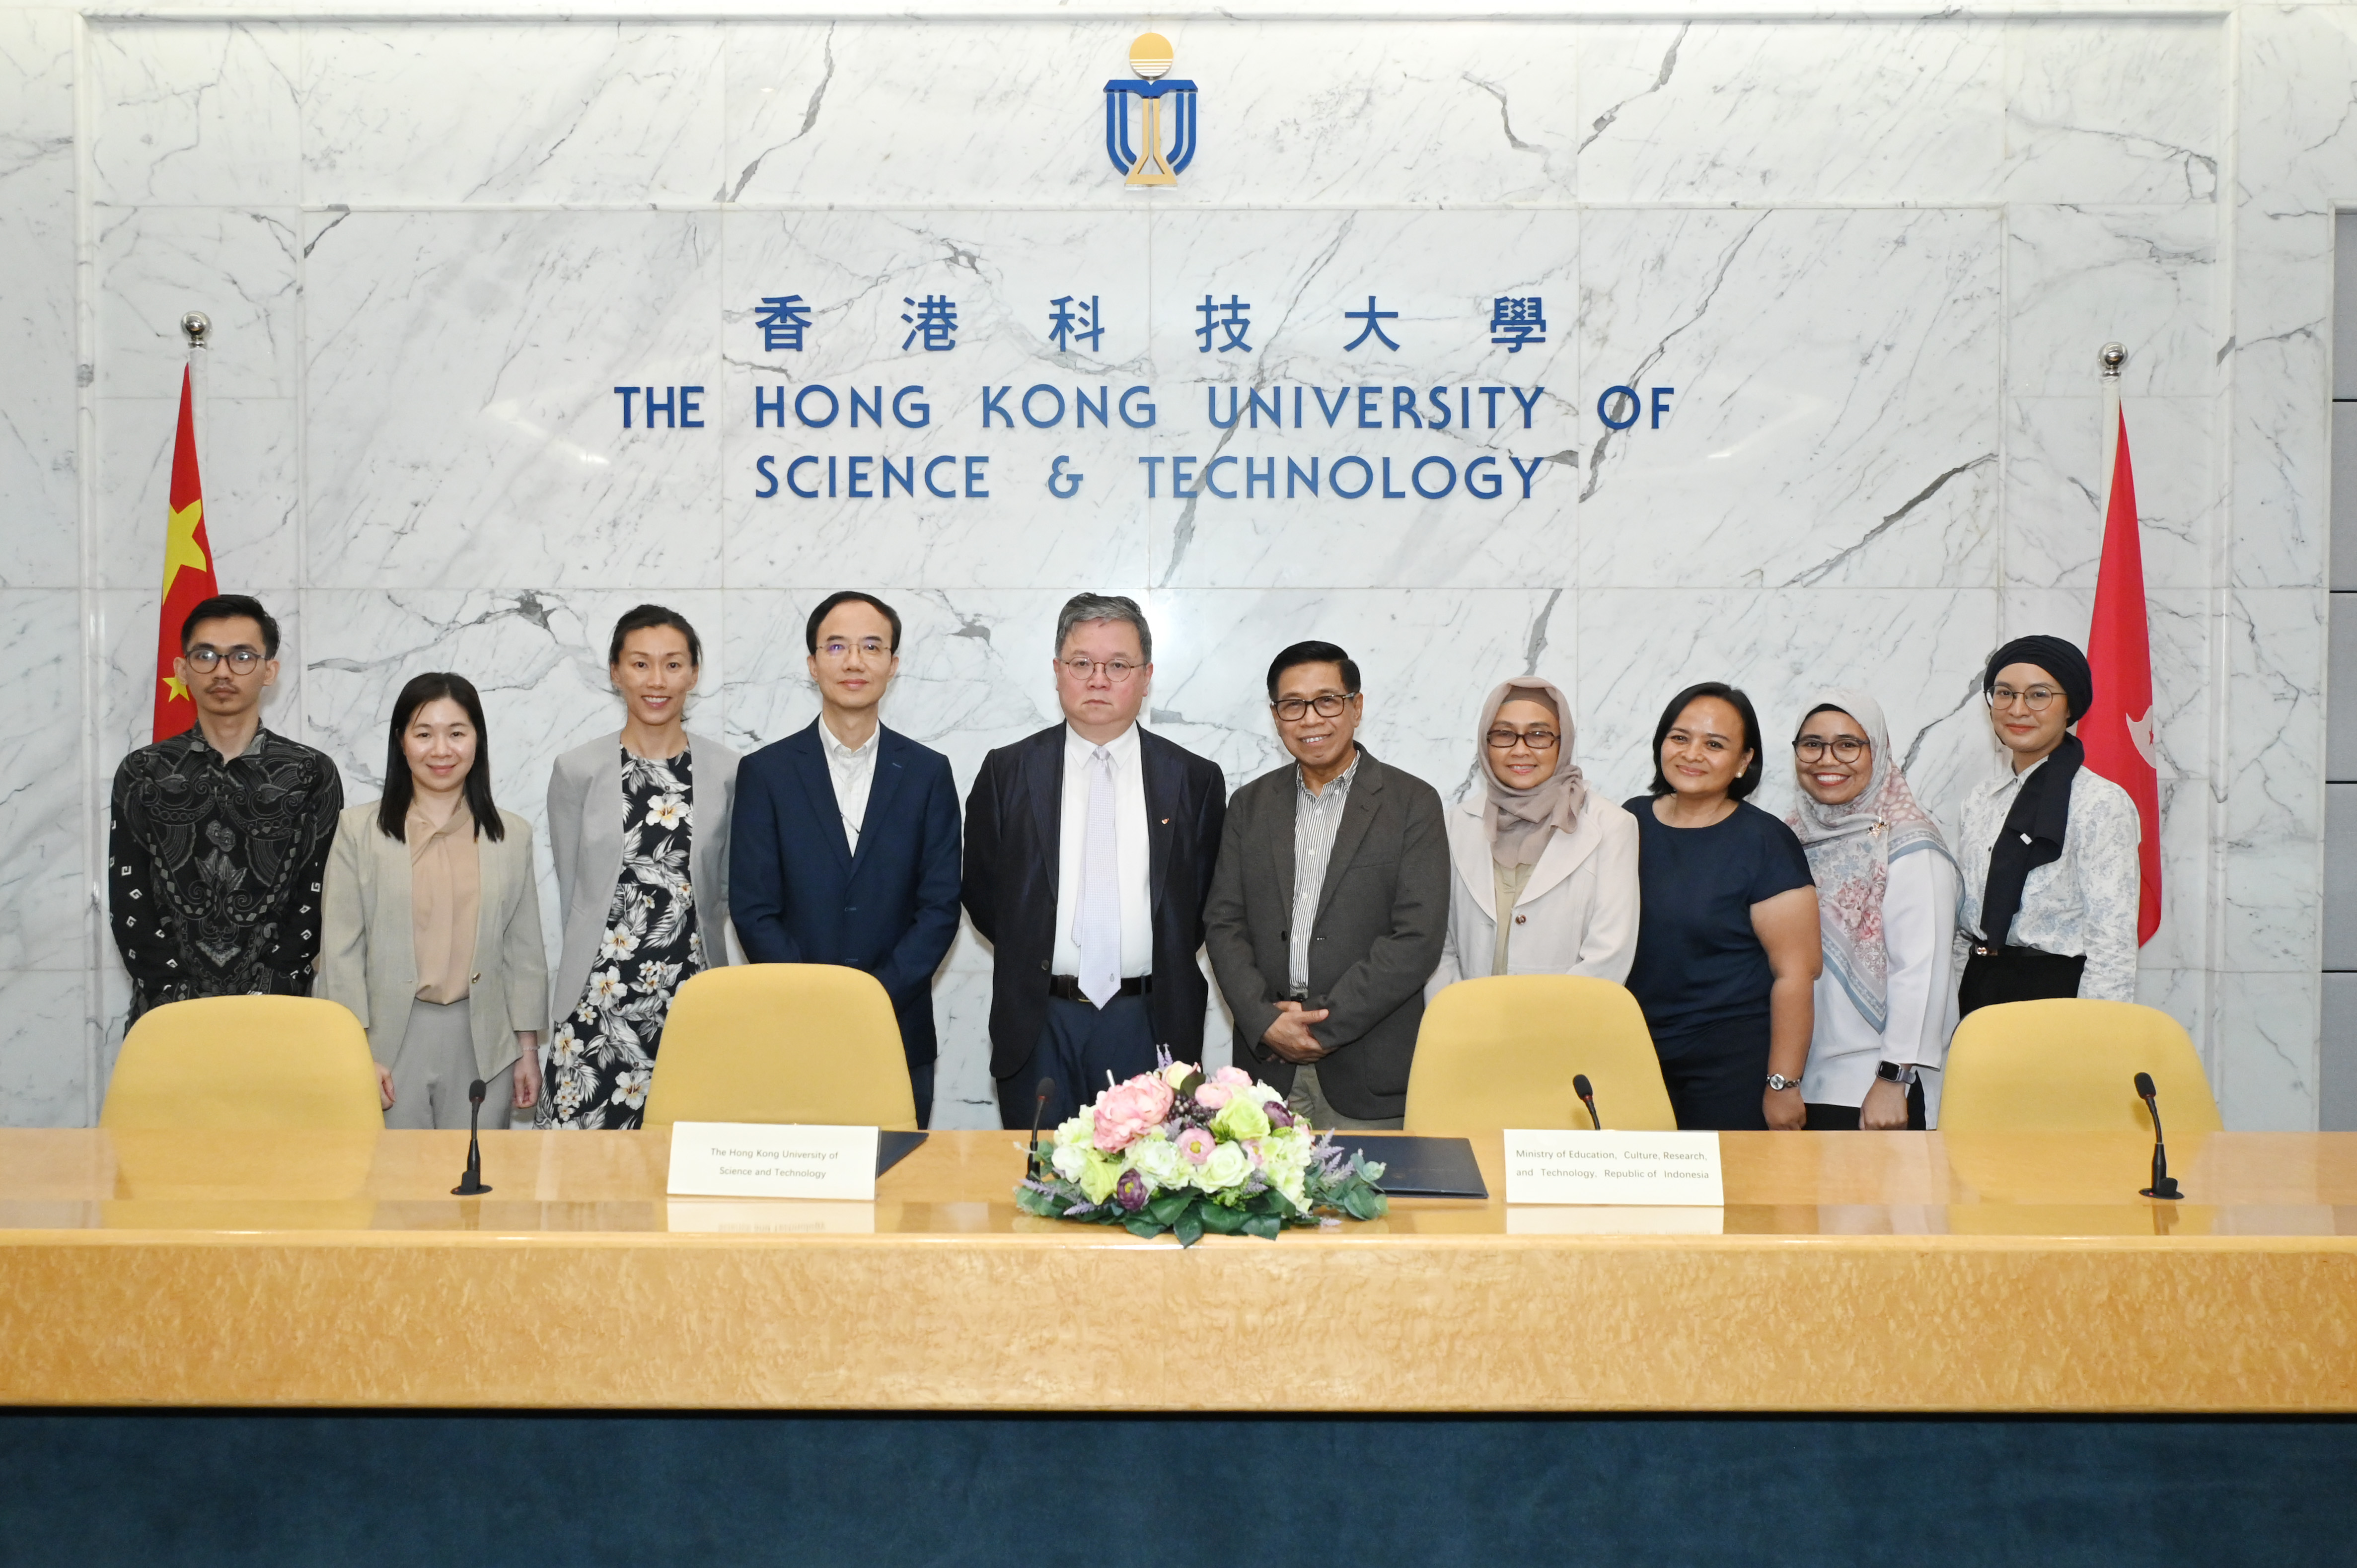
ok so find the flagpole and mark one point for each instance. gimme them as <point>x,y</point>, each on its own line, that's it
<point>2113,355</point>
<point>197,328</point>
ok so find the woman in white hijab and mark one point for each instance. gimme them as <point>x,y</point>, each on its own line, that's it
<point>1887,885</point>
<point>1546,872</point>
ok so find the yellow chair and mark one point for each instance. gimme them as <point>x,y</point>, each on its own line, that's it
<point>2068,1066</point>
<point>812,1043</point>
<point>1501,1052</point>
<point>284,1062</point>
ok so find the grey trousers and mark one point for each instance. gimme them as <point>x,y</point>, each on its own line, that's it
<point>1308,1099</point>
<point>435,1064</point>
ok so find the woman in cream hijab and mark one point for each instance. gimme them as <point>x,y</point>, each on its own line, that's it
<point>1545,871</point>
<point>1886,999</point>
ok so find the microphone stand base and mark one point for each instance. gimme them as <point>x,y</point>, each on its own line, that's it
<point>465,1189</point>
<point>2168,1189</point>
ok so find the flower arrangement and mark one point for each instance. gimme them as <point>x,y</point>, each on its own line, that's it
<point>1173,1149</point>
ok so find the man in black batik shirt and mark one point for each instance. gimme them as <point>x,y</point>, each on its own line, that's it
<point>219,834</point>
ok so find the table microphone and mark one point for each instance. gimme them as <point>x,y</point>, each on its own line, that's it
<point>2163,1183</point>
<point>472,1184</point>
<point>1586,1092</point>
<point>1044,1092</point>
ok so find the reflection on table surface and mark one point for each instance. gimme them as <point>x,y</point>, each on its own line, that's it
<point>958,1184</point>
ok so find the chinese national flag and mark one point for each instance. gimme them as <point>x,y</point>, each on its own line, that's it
<point>2117,731</point>
<point>188,572</point>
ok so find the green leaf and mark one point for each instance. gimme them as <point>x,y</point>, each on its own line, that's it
<point>1168,1206</point>
<point>1226,1221</point>
<point>1188,1227</point>
<point>1360,1203</point>
<point>1139,1225</point>
<point>1264,1226</point>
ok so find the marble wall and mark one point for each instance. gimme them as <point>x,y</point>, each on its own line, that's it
<point>1874,256</point>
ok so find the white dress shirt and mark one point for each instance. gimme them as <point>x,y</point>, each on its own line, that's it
<point>2083,903</point>
<point>852,768</point>
<point>1316,819</point>
<point>1134,855</point>
<point>1919,929</point>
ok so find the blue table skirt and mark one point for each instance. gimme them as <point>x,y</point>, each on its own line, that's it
<point>384,1489</point>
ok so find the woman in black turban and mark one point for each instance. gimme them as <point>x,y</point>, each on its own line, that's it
<point>2051,874</point>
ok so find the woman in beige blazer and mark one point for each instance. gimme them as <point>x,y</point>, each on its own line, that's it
<point>637,825</point>
<point>1543,871</point>
<point>431,921</point>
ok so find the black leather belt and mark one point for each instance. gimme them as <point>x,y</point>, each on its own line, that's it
<point>1067,987</point>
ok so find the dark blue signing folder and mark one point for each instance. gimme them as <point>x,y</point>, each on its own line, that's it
<point>1420,1167</point>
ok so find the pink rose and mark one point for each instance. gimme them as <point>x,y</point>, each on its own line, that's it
<point>1233,1077</point>
<point>1212,1096</point>
<point>1128,1111</point>
<point>1196,1145</point>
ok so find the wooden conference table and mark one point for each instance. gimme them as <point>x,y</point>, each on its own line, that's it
<point>1848,1271</point>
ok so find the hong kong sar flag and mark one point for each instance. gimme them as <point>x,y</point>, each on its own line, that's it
<point>2117,731</point>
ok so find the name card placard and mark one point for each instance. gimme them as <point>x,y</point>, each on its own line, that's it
<point>750,1159</point>
<point>1559,1167</point>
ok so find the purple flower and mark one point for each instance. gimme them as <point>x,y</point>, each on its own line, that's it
<point>1278,1116</point>
<point>1130,1191</point>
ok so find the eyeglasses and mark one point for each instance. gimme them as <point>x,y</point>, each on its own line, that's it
<point>1848,747</point>
<point>837,649</point>
<point>2038,699</point>
<point>1116,670</point>
<point>1293,709</point>
<point>204,660</point>
<point>1505,739</point>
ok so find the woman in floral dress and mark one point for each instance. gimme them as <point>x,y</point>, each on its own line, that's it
<point>638,826</point>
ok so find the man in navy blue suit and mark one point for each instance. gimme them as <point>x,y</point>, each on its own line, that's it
<point>1089,848</point>
<point>844,847</point>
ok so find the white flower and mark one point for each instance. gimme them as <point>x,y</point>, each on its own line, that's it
<point>565,1046</point>
<point>617,943</point>
<point>1158,1159</point>
<point>1227,1167</point>
<point>630,1088</point>
<point>606,987</point>
<point>1284,1164</point>
<point>667,811</point>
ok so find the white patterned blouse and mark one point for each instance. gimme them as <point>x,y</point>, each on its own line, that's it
<point>2083,903</point>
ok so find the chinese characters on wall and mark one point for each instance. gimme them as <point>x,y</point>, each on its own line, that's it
<point>1073,324</point>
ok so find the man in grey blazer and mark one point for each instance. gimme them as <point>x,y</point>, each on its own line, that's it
<point>1329,905</point>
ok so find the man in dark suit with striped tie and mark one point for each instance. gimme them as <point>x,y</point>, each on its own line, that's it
<point>844,847</point>
<point>1089,853</point>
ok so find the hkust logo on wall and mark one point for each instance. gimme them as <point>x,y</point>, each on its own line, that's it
<point>1150,134</point>
<point>1151,57</point>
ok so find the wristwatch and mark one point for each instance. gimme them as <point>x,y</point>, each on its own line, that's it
<point>1777,1081</point>
<point>1891,1073</point>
